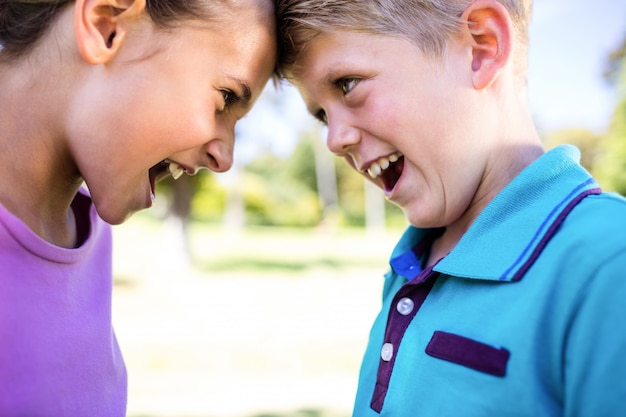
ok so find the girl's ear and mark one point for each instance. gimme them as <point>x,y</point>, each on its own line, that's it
<point>100,26</point>
<point>491,33</point>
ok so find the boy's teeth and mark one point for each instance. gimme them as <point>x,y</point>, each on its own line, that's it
<point>374,170</point>
<point>176,170</point>
<point>382,164</point>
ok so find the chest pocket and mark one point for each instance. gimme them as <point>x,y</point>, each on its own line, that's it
<point>468,352</point>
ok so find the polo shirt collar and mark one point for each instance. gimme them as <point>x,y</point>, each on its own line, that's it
<point>508,235</point>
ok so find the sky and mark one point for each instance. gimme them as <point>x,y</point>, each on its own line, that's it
<point>570,41</point>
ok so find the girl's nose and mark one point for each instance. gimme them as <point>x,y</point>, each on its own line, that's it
<point>219,151</point>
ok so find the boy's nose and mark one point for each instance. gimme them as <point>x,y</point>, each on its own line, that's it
<point>341,137</point>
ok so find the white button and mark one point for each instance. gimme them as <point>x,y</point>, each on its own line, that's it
<point>405,306</point>
<point>386,353</point>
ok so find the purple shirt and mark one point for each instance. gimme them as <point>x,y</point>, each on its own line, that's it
<point>58,352</point>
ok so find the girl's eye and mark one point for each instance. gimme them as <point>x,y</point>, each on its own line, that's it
<point>347,84</point>
<point>229,98</point>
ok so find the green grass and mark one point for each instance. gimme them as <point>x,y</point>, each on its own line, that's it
<point>276,250</point>
<point>280,315</point>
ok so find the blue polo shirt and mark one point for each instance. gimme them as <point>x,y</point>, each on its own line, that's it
<point>525,317</point>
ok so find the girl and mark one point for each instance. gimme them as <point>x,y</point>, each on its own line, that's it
<point>118,94</point>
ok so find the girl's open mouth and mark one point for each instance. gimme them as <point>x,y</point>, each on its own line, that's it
<point>162,170</point>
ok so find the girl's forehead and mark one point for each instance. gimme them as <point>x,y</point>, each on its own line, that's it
<point>237,15</point>
<point>258,8</point>
<point>240,19</point>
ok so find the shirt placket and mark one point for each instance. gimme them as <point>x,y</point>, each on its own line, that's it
<point>405,305</point>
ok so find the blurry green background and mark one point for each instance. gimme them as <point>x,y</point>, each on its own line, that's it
<point>251,293</point>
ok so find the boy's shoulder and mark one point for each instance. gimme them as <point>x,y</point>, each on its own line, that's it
<point>605,210</point>
<point>600,218</point>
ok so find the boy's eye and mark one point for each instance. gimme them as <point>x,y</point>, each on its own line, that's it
<point>321,116</point>
<point>347,84</point>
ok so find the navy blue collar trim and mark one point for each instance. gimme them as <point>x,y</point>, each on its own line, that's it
<point>548,235</point>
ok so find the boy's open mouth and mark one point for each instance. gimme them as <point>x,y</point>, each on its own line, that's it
<point>388,169</point>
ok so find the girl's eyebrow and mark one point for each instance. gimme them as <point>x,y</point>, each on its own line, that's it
<point>244,87</point>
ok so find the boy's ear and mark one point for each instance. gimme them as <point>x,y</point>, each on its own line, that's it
<point>491,32</point>
<point>100,26</point>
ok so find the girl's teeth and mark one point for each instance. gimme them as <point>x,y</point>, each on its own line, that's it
<point>176,170</point>
<point>394,157</point>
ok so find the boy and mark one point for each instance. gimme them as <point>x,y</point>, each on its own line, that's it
<point>505,296</point>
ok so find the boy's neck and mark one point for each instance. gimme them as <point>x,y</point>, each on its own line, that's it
<point>510,163</point>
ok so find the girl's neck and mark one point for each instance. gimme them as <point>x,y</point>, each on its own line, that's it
<point>38,179</point>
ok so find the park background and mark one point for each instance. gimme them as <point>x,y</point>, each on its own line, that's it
<point>251,293</point>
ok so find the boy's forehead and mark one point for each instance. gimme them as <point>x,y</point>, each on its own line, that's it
<point>331,45</point>
<point>331,52</point>
<point>319,53</point>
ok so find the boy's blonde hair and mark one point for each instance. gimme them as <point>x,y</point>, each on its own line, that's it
<point>429,24</point>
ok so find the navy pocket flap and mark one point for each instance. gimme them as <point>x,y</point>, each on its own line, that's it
<point>468,352</point>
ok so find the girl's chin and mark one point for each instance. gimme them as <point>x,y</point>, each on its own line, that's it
<point>118,215</point>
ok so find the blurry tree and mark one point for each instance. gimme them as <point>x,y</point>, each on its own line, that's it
<point>587,141</point>
<point>234,218</point>
<point>185,199</point>
<point>326,176</point>
<point>209,198</point>
<point>614,72</point>
<point>351,194</point>
<point>374,208</point>
<point>611,169</point>
<point>287,192</point>
<point>277,191</point>
<point>604,155</point>
<point>339,188</point>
